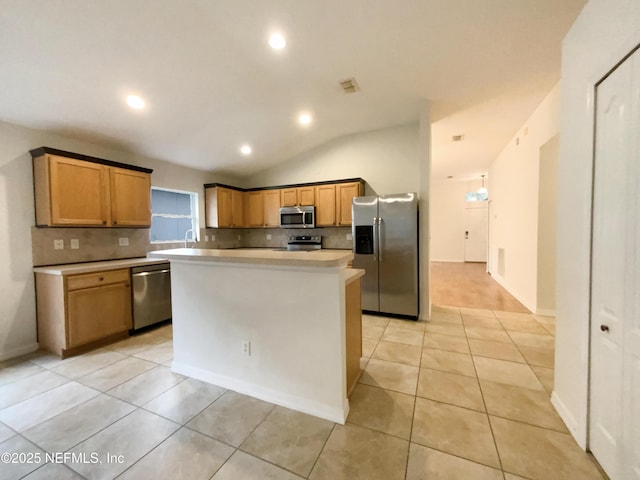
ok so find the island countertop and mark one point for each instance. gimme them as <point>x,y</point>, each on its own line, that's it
<point>259,256</point>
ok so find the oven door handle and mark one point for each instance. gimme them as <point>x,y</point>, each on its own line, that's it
<point>144,274</point>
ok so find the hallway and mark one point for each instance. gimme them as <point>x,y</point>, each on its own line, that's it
<point>465,284</point>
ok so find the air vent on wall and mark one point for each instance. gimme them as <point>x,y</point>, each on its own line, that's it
<point>350,85</point>
<point>457,138</point>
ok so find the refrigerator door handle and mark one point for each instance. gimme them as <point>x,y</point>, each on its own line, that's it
<point>375,239</point>
<point>379,239</point>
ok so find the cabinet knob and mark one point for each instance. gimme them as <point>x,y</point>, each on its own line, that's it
<point>104,222</point>
<point>115,222</point>
<point>604,328</point>
<point>101,279</point>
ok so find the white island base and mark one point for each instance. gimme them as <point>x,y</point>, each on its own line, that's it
<point>268,324</point>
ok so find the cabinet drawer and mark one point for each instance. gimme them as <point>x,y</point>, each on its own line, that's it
<point>88,280</point>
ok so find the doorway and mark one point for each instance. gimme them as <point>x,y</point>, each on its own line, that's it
<point>614,389</point>
<point>476,221</point>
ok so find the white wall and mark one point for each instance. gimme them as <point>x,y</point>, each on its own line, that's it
<point>448,222</point>
<point>17,303</point>
<point>513,191</point>
<point>547,218</point>
<point>604,32</point>
<point>387,160</point>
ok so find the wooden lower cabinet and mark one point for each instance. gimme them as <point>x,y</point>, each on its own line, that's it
<point>353,331</point>
<point>80,312</point>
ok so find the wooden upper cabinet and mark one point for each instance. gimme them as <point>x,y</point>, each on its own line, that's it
<point>345,192</point>
<point>74,192</point>
<point>306,195</point>
<point>130,198</point>
<point>237,208</point>
<point>271,208</point>
<point>325,196</point>
<point>295,196</point>
<point>288,197</point>
<point>223,207</point>
<point>254,209</point>
<point>71,192</point>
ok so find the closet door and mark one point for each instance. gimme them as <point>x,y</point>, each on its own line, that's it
<point>615,283</point>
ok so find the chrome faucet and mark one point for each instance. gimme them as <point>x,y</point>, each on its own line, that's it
<point>186,237</point>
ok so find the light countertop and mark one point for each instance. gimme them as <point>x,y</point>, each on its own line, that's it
<point>89,267</point>
<point>259,256</point>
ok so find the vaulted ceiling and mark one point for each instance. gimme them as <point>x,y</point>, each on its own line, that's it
<point>211,82</point>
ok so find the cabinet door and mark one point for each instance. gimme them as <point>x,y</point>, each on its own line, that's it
<point>325,205</point>
<point>288,197</point>
<point>96,313</point>
<point>225,215</point>
<point>305,195</point>
<point>130,198</point>
<point>237,208</point>
<point>345,193</point>
<point>79,192</point>
<point>272,208</point>
<point>254,213</point>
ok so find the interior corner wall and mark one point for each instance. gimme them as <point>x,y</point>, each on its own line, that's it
<point>513,192</point>
<point>386,159</point>
<point>17,301</point>
<point>602,35</point>
<point>448,218</point>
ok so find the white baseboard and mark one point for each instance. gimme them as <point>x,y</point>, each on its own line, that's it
<point>16,352</point>
<point>304,405</point>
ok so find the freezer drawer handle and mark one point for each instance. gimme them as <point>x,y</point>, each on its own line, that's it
<point>144,274</point>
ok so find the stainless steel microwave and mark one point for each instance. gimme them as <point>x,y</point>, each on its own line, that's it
<point>298,217</point>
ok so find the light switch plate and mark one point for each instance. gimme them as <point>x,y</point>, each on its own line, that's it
<point>213,238</point>
<point>58,244</point>
<point>75,244</point>
<point>123,241</point>
<point>349,236</point>
<point>268,236</point>
<point>206,238</point>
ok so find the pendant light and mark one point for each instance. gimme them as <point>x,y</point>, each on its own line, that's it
<point>483,189</point>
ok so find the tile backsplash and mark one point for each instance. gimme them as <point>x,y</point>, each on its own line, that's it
<point>105,243</point>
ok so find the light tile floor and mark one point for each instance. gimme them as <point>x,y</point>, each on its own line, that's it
<point>464,396</point>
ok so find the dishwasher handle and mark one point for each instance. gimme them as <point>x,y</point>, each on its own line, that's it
<point>144,274</point>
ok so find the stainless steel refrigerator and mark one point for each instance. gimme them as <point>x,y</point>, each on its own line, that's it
<point>385,245</point>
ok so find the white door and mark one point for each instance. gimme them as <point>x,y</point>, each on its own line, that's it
<point>614,409</point>
<point>475,236</point>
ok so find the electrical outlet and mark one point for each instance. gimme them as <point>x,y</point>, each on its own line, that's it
<point>213,238</point>
<point>239,237</point>
<point>349,236</point>
<point>268,236</point>
<point>246,348</point>
<point>123,241</point>
<point>58,244</point>
<point>75,244</point>
<point>206,238</point>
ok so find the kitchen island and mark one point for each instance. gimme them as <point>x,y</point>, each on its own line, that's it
<point>280,326</point>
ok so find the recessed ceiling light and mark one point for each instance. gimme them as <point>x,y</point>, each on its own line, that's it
<point>245,150</point>
<point>135,101</point>
<point>277,41</point>
<point>304,119</point>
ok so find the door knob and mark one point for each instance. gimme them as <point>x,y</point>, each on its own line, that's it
<point>604,328</point>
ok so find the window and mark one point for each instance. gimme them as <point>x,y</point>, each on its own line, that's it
<point>476,196</point>
<point>173,213</point>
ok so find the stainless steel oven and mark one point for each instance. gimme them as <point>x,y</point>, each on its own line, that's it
<point>298,217</point>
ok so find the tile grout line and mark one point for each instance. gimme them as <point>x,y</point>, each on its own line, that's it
<point>486,412</point>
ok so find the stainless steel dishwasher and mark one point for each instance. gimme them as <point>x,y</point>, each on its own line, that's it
<point>151,294</point>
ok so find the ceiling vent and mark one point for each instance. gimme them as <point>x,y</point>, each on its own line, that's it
<point>457,138</point>
<point>350,85</point>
